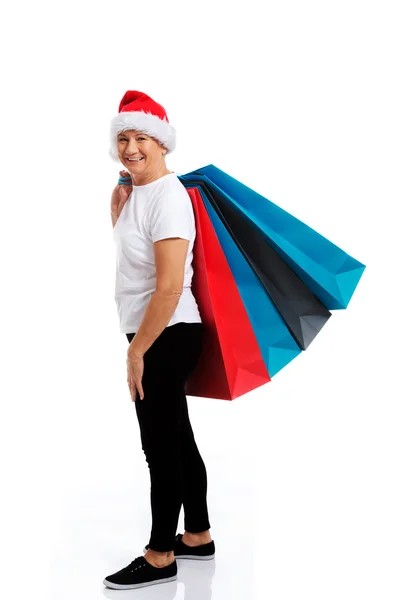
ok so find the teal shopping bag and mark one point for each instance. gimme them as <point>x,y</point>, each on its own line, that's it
<point>329,272</point>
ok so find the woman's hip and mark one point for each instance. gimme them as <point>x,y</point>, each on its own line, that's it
<point>177,349</point>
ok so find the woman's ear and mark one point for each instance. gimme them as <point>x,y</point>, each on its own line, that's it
<point>164,150</point>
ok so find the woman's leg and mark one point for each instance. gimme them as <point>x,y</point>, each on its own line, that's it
<point>177,471</point>
<point>196,518</point>
<point>194,489</point>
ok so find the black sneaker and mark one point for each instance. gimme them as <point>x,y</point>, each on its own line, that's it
<point>181,550</point>
<point>139,573</point>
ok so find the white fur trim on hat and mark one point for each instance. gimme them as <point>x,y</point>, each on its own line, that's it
<point>160,129</point>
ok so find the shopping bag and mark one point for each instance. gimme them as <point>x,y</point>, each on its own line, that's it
<point>231,363</point>
<point>276,343</point>
<point>329,272</point>
<point>303,313</point>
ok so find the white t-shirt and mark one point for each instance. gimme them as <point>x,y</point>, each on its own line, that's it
<point>155,211</point>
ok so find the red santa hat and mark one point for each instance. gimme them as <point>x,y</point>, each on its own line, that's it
<point>139,111</point>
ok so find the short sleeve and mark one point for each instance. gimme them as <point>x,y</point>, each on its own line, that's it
<point>172,217</point>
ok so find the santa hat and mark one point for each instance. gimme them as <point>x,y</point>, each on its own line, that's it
<point>139,111</point>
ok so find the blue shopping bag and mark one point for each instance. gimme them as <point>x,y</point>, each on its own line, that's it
<point>329,272</point>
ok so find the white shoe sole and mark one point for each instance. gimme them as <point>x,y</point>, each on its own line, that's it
<point>190,556</point>
<point>117,586</point>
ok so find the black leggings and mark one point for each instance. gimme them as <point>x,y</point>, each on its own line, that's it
<point>177,471</point>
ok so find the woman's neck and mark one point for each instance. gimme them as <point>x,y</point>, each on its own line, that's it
<point>144,178</point>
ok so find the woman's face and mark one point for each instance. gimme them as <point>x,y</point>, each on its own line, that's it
<point>147,152</point>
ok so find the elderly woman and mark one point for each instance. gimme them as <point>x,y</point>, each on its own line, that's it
<point>154,233</point>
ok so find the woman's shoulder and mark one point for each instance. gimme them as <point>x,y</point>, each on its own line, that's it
<point>172,186</point>
<point>172,180</point>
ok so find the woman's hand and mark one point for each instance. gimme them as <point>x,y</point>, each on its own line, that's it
<point>120,195</point>
<point>135,371</point>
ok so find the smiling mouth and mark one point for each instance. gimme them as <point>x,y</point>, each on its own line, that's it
<point>135,159</point>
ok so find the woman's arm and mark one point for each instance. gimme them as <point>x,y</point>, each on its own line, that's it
<point>170,256</point>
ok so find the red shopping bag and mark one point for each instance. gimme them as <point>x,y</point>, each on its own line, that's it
<point>231,363</point>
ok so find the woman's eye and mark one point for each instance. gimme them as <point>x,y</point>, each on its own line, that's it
<point>124,139</point>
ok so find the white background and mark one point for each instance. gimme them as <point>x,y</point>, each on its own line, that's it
<point>310,476</point>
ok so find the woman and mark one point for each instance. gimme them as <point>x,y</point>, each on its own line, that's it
<point>154,233</point>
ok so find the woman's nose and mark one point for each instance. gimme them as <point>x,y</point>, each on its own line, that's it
<point>131,147</point>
